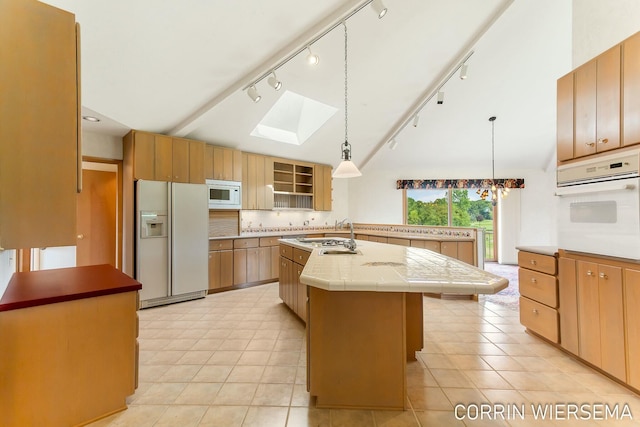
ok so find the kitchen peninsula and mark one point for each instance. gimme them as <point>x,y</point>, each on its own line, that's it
<point>69,345</point>
<point>364,316</point>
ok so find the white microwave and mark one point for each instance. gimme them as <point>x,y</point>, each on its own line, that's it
<point>224,194</point>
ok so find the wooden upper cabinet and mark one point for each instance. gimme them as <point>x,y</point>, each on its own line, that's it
<point>180,159</point>
<point>565,117</point>
<point>597,104</point>
<point>39,130</point>
<point>163,160</point>
<point>631,90</point>
<point>322,188</point>
<point>196,162</point>
<point>144,156</point>
<point>223,163</point>
<point>608,101</point>
<point>257,182</point>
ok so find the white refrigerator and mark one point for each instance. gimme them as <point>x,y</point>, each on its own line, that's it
<point>172,222</point>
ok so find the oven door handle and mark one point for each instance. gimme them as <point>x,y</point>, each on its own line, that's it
<point>593,188</point>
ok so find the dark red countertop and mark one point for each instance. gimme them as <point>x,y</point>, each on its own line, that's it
<point>33,288</point>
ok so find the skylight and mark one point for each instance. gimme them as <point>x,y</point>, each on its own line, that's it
<point>293,119</point>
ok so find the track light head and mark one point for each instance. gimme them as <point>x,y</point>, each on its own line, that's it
<point>253,93</point>
<point>440,98</point>
<point>379,8</point>
<point>312,58</point>
<point>393,143</point>
<point>416,119</point>
<point>274,82</point>
<point>463,72</point>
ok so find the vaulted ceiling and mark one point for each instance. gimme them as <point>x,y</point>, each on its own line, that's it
<point>180,68</point>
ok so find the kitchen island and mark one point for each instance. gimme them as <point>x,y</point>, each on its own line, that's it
<point>68,340</point>
<point>364,317</point>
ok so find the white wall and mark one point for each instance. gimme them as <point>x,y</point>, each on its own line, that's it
<point>601,24</point>
<point>101,146</point>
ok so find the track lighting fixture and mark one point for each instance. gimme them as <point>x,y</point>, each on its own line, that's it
<point>440,97</point>
<point>463,72</point>
<point>312,58</point>
<point>253,93</point>
<point>416,119</point>
<point>379,8</point>
<point>274,82</point>
<point>393,144</point>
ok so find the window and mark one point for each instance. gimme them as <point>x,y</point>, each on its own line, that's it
<point>454,208</point>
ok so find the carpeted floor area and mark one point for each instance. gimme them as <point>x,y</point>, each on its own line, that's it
<point>507,297</point>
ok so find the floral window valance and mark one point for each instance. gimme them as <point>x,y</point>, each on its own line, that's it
<point>416,184</point>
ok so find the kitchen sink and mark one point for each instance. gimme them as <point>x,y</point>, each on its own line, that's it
<point>323,241</point>
<point>339,252</point>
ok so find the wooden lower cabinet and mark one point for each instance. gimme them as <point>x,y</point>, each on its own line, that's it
<point>568,300</point>
<point>539,294</point>
<point>255,260</point>
<point>220,270</point>
<point>239,266</point>
<point>432,245</point>
<point>601,317</point>
<point>632,325</point>
<point>291,291</point>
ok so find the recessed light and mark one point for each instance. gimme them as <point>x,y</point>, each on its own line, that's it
<point>91,119</point>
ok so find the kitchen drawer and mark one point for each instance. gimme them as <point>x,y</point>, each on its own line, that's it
<point>539,318</point>
<point>246,243</point>
<point>542,263</point>
<point>269,241</point>
<point>220,245</point>
<point>286,251</point>
<point>397,241</point>
<point>538,286</point>
<point>432,245</point>
<point>300,256</point>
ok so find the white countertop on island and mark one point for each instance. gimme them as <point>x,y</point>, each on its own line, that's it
<point>383,267</point>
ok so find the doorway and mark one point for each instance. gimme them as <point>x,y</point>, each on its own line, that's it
<point>98,215</point>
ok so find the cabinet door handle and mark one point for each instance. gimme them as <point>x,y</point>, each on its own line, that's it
<point>589,273</point>
<point>535,311</point>
<point>603,141</point>
<point>533,280</point>
<point>533,262</point>
<point>603,276</point>
<point>590,144</point>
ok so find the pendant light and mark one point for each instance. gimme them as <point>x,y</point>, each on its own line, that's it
<point>346,168</point>
<point>495,187</point>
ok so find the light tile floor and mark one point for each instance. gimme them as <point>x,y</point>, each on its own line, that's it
<point>238,358</point>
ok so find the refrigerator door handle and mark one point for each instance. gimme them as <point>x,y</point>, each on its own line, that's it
<point>170,208</point>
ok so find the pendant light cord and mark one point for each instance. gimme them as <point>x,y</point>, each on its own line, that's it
<point>346,122</point>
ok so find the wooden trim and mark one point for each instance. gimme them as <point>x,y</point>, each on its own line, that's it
<point>24,260</point>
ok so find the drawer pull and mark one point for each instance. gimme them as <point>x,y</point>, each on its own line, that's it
<point>533,262</point>
<point>589,273</point>
<point>603,276</point>
<point>533,280</point>
<point>535,311</point>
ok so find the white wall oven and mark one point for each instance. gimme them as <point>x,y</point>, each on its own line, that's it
<point>599,205</point>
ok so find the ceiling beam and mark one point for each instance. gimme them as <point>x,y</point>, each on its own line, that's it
<point>189,123</point>
<point>417,106</point>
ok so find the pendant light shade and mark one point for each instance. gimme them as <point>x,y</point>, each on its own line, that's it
<point>346,168</point>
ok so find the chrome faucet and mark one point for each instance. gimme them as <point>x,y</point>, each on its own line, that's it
<point>349,244</point>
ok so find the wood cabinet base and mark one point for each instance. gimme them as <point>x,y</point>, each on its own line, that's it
<point>68,363</point>
<point>359,343</point>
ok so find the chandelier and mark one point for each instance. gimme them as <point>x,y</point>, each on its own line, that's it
<point>496,188</point>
